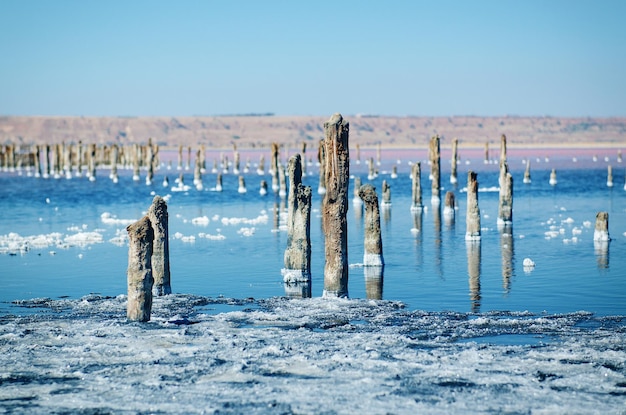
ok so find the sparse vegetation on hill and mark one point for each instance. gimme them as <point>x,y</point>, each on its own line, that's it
<point>254,131</point>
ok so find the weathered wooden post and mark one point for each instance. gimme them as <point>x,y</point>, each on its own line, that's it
<point>92,162</point>
<point>237,160</point>
<point>202,158</point>
<point>37,161</point>
<point>371,170</point>
<point>282,182</point>
<point>274,168</point>
<point>335,206</point>
<point>358,154</point>
<point>486,153</point>
<point>225,164</point>
<point>448,207</point>
<point>197,171</point>
<point>502,149</point>
<point>149,162</point>
<point>242,185</point>
<point>261,169</point>
<point>67,152</point>
<point>303,156</point>
<point>394,172</point>
<point>373,253</point>
<point>601,231</point>
<point>601,239</point>
<point>79,159</point>
<point>386,195</point>
<point>136,158</point>
<point>472,221</point>
<point>263,189</point>
<point>609,176</point>
<point>114,157</point>
<point>416,179</point>
<point>356,199</point>
<point>505,205</point>
<point>454,161</point>
<point>180,157</point>
<point>527,172</point>
<point>321,158</point>
<point>46,159</point>
<point>298,252</point>
<point>435,170</point>
<point>218,184</point>
<point>57,161</point>
<point>139,273</point>
<point>160,247</point>
<point>553,177</point>
<point>188,166</point>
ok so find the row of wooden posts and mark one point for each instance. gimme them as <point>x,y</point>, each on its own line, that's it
<point>148,258</point>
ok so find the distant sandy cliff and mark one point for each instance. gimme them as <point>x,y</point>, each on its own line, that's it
<point>260,131</point>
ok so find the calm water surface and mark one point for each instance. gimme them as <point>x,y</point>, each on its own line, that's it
<point>460,328</point>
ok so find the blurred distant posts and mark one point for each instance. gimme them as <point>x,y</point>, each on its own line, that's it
<point>454,161</point>
<point>434,154</point>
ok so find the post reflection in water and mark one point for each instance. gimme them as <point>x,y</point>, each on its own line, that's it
<point>601,249</point>
<point>417,233</point>
<point>473,270</point>
<point>298,289</point>
<point>386,215</point>
<point>374,282</point>
<point>507,250</point>
<point>437,226</point>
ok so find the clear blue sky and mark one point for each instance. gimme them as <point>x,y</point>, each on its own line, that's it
<point>434,58</point>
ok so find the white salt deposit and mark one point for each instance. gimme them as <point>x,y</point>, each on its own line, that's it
<point>246,231</point>
<point>200,221</point>
<point>261,219</point>
<point>110,219</point>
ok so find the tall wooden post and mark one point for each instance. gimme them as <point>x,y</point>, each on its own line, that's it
<point>335,206</point>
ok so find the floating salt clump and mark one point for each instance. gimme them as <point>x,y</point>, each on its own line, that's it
<point>587,224</point>
<point>188,239</point>
<point>110,219</point>
<point>202,221</point>
<point>528,264</point>
<point>246,231</point>
<point>568,220</point>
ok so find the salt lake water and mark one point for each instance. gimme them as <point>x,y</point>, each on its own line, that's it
<point>447,328</point>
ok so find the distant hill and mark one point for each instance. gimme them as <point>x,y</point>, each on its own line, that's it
<point>253,131</point>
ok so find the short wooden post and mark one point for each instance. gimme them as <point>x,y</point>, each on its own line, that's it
<point>472,220</point>
<point>160,248</point>
<point>373,253</point>
<point>139,273</point>
<point>298,252</point>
